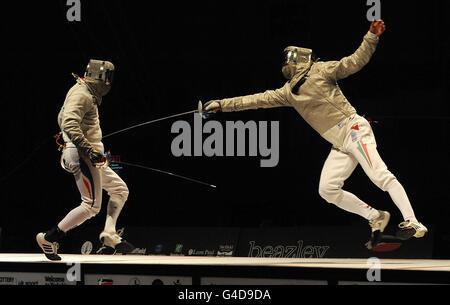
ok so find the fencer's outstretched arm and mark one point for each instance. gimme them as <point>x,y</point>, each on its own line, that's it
<point>336,70</point>
<point>333,71</point>
<point>268,99</point>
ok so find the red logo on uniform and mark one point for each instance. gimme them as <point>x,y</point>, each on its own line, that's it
<point>355,127</point>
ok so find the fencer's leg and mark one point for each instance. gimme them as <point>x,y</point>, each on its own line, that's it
<point>367,155</point>
<point>89,182</point>
<point>365,151</point>
<point>401,200</point>
<point>118,193</point>
<point>337,169</point>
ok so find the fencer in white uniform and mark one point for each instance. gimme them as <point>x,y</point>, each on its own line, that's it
<point>83,156</point>
<point>312,89</point>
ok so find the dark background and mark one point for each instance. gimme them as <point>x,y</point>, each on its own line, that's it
<point>168,56</point>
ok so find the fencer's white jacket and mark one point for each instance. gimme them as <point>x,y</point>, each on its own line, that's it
<point>319,100</point>
<point>79,120</point>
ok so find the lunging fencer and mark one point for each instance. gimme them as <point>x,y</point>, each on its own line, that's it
<point>83,156</point>
<point>312,89</point>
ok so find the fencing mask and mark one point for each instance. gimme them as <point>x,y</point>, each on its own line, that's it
<point>99,76</point>
<point>296,63</point>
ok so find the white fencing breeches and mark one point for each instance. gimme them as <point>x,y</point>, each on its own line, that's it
<point>360,147</point>
<point>90,182</point>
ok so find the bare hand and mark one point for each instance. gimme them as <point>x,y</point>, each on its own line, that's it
<point>378,27</point>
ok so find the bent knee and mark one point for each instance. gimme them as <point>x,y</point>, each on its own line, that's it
<point>119,193</point>
<point>91,208</point>
<point>122,193</point>
<point>330,194</point>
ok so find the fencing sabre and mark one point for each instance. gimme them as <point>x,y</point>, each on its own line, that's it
<point>198,110</point>
<point>164,172</point>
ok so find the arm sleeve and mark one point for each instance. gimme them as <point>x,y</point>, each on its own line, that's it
<point>74,111</point>
<point>268,99</point>
<point>336,70</point>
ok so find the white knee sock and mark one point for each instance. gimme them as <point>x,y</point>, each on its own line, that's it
<point>353,204</point>
<point>400,198</point>
<point>115,206</point>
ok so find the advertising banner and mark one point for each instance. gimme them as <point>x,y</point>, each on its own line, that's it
<point>323,242</point>
<point>290,242</point>
<point>160,241</point>
<point>29,279</point>
<point>134,280</point>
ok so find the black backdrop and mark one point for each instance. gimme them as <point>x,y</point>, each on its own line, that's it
<point>169,56</point>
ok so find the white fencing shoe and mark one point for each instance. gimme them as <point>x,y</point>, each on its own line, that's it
<point>380,223</point>
<point>50,248</point>
<point>410,229</point>
<point>115,241</point>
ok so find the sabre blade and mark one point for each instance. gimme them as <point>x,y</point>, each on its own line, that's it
<point>166,173</point>
<point>149,122</point>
